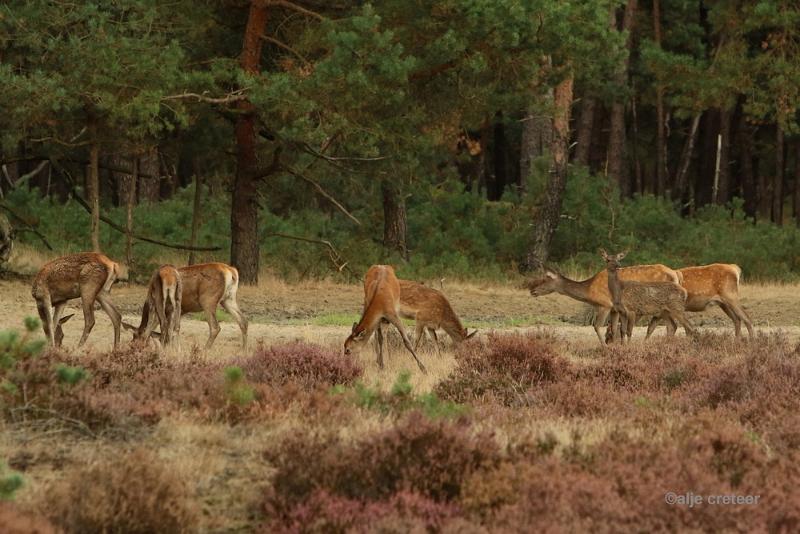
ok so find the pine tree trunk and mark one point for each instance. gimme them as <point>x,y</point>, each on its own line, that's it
<point>585,128</point>
<point>245,253</point>
<point>662,169</point>
<point>548,216</point>
<point>680,189</point>
<point>745,147</point>
<point>617,168</point>
<point>198,191</point>
<point>723,195</point>
<point>777,188</point>
<point>537,134</point>
<point>129,202</point>
<point>394,219</point>
<point>797,182</point>
<point>93,191</point>
<point>148,183</point>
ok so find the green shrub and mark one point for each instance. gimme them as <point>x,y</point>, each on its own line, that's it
<point>10,482</point>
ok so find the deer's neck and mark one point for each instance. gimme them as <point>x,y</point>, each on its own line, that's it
<point>578,290</point>
<point>614,286</point>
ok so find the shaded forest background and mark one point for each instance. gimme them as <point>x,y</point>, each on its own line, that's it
<point>468,138</point>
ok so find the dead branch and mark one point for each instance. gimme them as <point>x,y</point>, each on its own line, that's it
<point>235,96</point>
<point>281,44</point>
<point>335,256</point>
<point>294,7</point>
<point>324,193</point>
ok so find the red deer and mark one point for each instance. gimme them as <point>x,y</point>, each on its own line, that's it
<point>430,309</point>
<point>204,287</point>
<point>381,304</point>
<point>88,276</point>
<point>164,296</point>
<point>594,290</point>
<point>632,298</point>
<point>718,284</point>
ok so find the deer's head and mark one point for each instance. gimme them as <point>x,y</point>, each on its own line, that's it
<point>549,283</point>
<point>358,335</point>
<point>612,260</point>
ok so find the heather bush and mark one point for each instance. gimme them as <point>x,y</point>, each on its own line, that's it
<point>400,399</point>
<point>14,521</point>
<point>135,492</point>
<point>505,367</point>
<point>429,458</point>
<point>310,366</point>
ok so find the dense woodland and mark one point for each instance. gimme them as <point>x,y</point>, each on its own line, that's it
<point>453,135</point>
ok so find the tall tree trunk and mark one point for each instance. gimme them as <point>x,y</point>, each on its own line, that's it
<point>537,134</point>
<point>130,199</point>
<point>585,127</point>
<point>149,180</point>
<point>549,213</point>
<point>777,188</point>
<point>744,134</point>
<point>797,182</point>
<point>244,205</point>
<point>617,168</point>
<point>394,219</point>
<point>637,164</point>
<point>499,160</point>
<point>765,185</point>
<point>662,170</point>
<point>723,179</point>
<point>93,188</point>
<point>198,191</point>
<point>680,189</point>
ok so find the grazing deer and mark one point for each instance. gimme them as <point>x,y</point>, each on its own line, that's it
<point>381,304</point>
<point>88,276</point>
<point>430,309</point>
<point>631,298</point>
<point>594,290</point>
<point>718,284</point>
<point>204,287</point>
<point>164,296</point>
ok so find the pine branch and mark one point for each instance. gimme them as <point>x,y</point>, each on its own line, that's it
<point>324,193</point>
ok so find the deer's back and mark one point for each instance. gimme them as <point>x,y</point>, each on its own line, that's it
<point>204,282</point>
<point>652,297</point>
<point>428,305</point>
<point>711,280</point>
<point>63,277</point>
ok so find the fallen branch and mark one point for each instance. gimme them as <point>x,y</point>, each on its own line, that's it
<point>335,256</point>
<point>235,96</point>
<point>324,193</point>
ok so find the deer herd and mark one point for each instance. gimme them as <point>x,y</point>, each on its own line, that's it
<point>618,294</point>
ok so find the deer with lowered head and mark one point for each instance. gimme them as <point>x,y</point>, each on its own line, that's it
<point>430,310</point>
<point>631,299</point>
<point>87,276</point>
<point>594,290</point>
<point>164,293</point>
<point>204,287</point>
<point>381,304</point>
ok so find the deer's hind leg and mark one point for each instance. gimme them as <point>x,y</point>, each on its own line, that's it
<point>407,342</point>
<point>45,309</point>
<point>113,314</point>
<point>231,306</point>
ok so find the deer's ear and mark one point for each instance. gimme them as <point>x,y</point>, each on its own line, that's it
<point>353,330</point>
<point>622,254</point>
<point>604,254</point>
<point>472,334</point>
<point>65,319</point>
<point>551,274</point>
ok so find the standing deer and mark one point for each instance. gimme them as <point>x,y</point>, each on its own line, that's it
<point>594,290</point>
<point>164,295</point>
<point>381,304</point>
<point>631,299</point>
<point>430,309</point>
<point>88,276</point>
<point>718,284</point>
<point>204,287</point>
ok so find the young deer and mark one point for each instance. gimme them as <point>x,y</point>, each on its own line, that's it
<point>164,296</point>
<point>204,287</point>
<point>88,276</point>
<point>718,284</point>
<point>431,310</point>
<point>594,290</point>
<point>630,299</point>
<point>381,304</point>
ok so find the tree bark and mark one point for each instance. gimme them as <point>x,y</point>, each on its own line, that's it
<point>662,161</point>
<point>679,190</point>
<point>195,216</point>
<point>93,190</point>
<point>777,188</point>
<point>548,216</point>
<point>723,195</point>
<point>585,128</point>
<point>245,252</point>
<point>616,142</point>
<point>537,135</point>
<point>797,182</point>
<point>149,180</point>
<point>395,225</point>
<point>745,146</point>
<point>130,199</point>
<point>497,185</point>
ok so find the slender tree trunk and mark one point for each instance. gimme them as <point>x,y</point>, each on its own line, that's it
<point>723,177</point>
<point>245,252</point>
<point>93,188</point>
<point>130,199</point>
<point>777,188</point>
<point>679,191</point>
<point>637,164</point>
<point>537,134</point>
<point>617,168</point>
<point>198,192</point>
<point>797,182</point>
<point>745,146</point>
<point>394,219</point>
<point>548,216</point>
<point>764,193</point>
<point>500,166</point>
<point>148,186</point>
<point>662,171</point>
<point>585,128</point>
